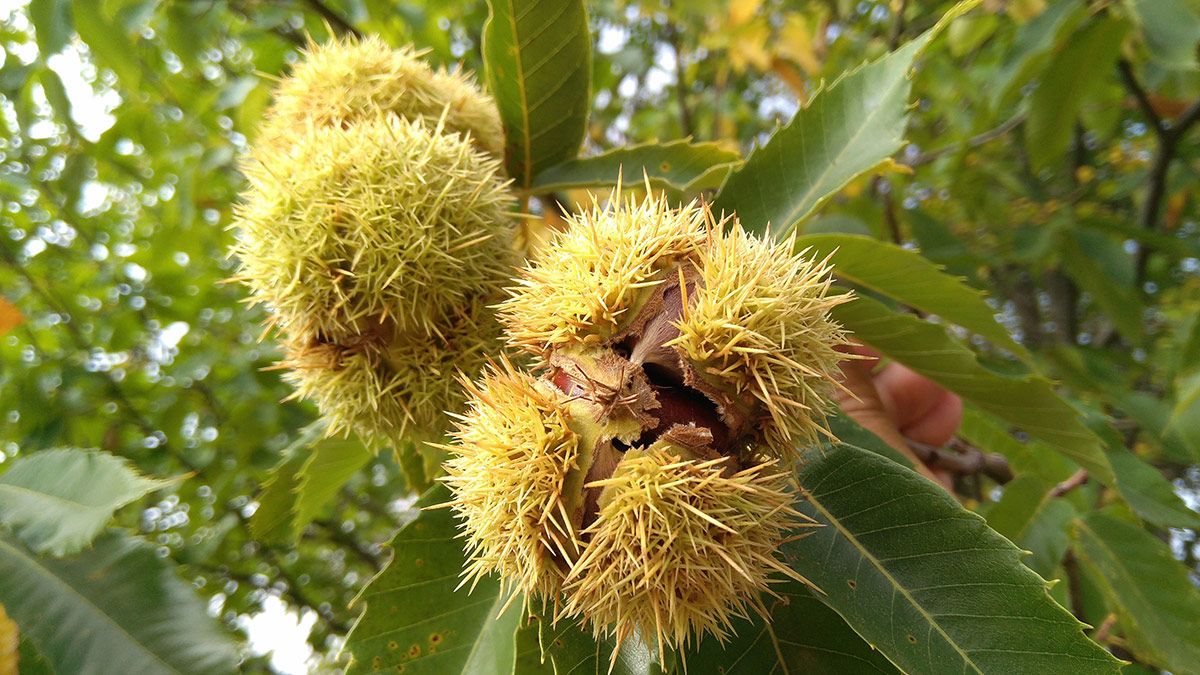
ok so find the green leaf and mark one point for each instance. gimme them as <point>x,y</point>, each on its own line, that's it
<point>1159,605</point>
<point>805,636</point>
<point>1033,47</point>
<point>52,22</point>
<point>1189,347</point>
<point>116,608</point>
<point>107,42</point>
<point>1027,402</point>
<point>272,521</point>
<point>415,618</point>
<point>924,580</point>
<point>1029,516</point>
<point>1185,414</point>
<point>565,647</point>
<point>678,165</point>
<point>57,501</point>
<point>333,462</point>
<point>1074,73</point>
<point>31,660</point>
<point>847,130</point>
<point>982,431</point>
<point>1094,262</point>
<point>907,277</point>
<point>314,468</point>
<point>538,59</point>
<point>848,431</point>
<point>1171,30</point>
<point>1149,494</point>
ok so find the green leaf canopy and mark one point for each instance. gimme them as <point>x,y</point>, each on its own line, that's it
<point>849,129</point>
<point>1158,605</point>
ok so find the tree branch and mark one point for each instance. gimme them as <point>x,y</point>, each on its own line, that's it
<point>335,21</point>
<point>1169,133</point>
<point>1074,584</point>
<point>963,459</point>
<point>1129,79</point>
<point>973,142</point>
<point>1075,480</point>
<point>681,87</point>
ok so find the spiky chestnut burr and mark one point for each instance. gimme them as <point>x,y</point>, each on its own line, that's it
<point>344,82</point>
<point>680,546</point>
<point>390,385</point>
<point>674,349</point>
<point>700,306</point>
<point>655,540</point>
<point>517,450</point>
<point>384,222</point>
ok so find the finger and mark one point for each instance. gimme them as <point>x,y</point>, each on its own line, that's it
<point>908,396</point>
<point>938,425</point>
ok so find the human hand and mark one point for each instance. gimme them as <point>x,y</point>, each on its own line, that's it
<point>898,405</point>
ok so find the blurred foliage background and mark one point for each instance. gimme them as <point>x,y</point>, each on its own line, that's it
<point>1050,165</point>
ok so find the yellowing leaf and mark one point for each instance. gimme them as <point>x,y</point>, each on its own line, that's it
<point>785,71</point>
<point>741,11</point>
<point>749,47</point>
<point>10,316</point>
<point>1024,10</point>
<point>796,43</point>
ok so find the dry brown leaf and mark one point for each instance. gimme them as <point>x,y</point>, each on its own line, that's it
<point>10,316</point>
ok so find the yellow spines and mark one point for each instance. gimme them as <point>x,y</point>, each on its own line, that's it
<point>515,450</point>
<point>757,327</point>
<point>344,82</point>
<point>388,384</point>
<point>10,642</point>
<point>592,279</point>
<point>688,359</point>
<point>376,228</point>
<point>680,547</point>
<point>741,319</point>
<point>383,221</point>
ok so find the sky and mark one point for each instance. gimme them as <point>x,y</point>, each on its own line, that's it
<point>278,630</point>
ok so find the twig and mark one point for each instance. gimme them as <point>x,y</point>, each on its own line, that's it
<point>973,142</point>
<point>1153,204</point>
<point>883,187</point>
<point>897,28</point>
<point>337,535</point>
<point>1101,633</point>
<point>1076,479</point>
<point>685,113</point>
<point>335,20</point>
<point>1129,79</point>
<point>298,592</point>
<point>1074,585</point>
<point>1168,133</point>
<point>962,459</point>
